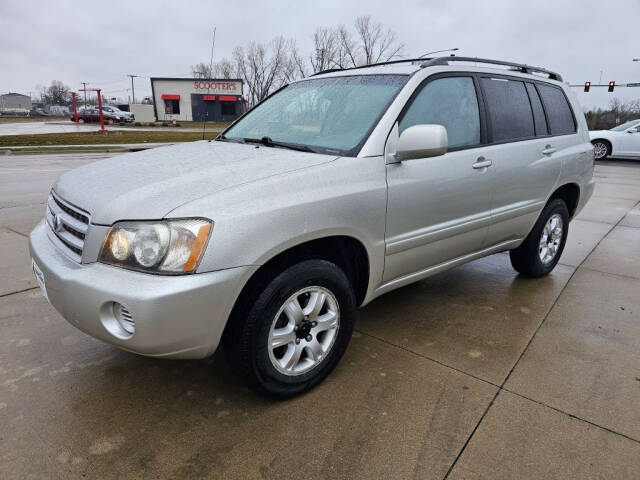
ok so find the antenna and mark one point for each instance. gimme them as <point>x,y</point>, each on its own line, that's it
<point>213,43</point>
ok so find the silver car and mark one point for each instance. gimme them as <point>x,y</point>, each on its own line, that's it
<point>331,192</point>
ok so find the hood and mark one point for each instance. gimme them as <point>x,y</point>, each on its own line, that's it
<point>149,184</point>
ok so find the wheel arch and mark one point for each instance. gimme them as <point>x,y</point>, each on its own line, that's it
<point>347,252</point>
<point>570,194</point>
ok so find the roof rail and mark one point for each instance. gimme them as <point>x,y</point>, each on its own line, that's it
<point>521,67</point>
<point>389,62</point>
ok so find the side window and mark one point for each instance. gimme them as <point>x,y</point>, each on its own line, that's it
<point>450,102</point>
<point>561,121</point>
<point>539,120</point>
<point>509,109</point>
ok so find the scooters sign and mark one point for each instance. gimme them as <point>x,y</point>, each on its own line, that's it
<point>215,86</point>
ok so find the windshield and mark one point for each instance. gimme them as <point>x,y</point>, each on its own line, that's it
<point>327,115</point>
<point>624,126</point>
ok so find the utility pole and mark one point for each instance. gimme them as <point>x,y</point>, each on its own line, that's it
<point>133,91</point>
<point>84,84</point>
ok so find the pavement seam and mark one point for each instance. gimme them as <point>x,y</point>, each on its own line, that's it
<point>571,415</point>
<point>25,205</point>
<point>418,354</point>
<point>506,379</point>
<point>18,291</point>
<point>619,275</point>
<point>16,232</point>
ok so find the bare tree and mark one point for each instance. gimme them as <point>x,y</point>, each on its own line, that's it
<point>347,54</point>
<point>201,70</point>
<point>261,67</point>
<point>225,68</point>
<point>55,94</point>
<point>376,45</point>
<point>294,67</point>
<point>325,49</point>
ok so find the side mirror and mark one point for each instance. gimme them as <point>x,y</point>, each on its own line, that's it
<point>421,141</point>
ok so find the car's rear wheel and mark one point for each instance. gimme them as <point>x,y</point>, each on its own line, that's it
<point>541,250</point>
<point>296,329</point>
<point>601,149</point>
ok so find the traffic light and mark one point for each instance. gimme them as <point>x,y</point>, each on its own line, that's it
<point>611,86</point>
<point>587,86</point>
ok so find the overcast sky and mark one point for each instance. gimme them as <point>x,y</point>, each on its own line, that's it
<point>102,42</point>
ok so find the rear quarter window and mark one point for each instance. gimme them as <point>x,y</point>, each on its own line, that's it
<point>559,114</point>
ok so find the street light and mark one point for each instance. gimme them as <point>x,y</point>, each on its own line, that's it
<point>440,51</point>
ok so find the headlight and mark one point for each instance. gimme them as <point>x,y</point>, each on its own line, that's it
<point>169,247</point>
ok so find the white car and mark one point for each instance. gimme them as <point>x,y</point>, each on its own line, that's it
<point>115,111</point>
<point>622,141</point>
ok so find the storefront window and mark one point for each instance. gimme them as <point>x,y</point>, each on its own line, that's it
<point>172,107</point>
<point>228,108</point>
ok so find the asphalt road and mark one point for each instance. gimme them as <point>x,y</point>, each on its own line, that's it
<point>473,373</point>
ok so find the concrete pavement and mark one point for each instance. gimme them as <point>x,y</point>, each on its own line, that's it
<point>473,373</point>
<point>32,128</point>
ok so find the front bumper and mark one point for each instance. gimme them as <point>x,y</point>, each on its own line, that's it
<point>175,316</point>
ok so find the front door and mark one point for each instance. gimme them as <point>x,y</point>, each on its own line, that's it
<point>203,109</point>
<point>439,208</point>
<point>630,142</point>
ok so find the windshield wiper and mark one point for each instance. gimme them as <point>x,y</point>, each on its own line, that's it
<point>268,142</point>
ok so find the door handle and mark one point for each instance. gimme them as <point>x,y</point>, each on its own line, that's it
<point>482,162</point>
<point>548,150</point>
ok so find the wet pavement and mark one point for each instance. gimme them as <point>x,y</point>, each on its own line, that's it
<point>473,373</point>
<point>32,128</point>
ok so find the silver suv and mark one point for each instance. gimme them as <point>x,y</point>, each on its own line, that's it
<point>334,190</point>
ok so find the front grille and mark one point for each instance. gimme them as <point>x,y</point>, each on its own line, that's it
<point>67,225</point>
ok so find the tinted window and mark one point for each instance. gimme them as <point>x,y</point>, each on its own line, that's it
<point>509,109</point>
<point>450,102</point>
<point>538,113</point>
<point>559,114</point>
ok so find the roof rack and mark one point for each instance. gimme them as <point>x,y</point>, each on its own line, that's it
<point>521,67</point>
<point>389,62</point>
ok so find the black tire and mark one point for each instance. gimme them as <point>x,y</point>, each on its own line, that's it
<point>600,146</point>
<point>526,258</point>
<point>246,341</point>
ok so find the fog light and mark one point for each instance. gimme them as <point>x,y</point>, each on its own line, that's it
<point>124,318</point>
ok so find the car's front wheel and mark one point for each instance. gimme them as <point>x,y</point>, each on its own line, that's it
<point>296,329</point>
<point>601,149</point>
<point>541,250</point>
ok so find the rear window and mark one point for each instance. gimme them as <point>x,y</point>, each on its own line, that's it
<point>561,121</point>
<point>509,109</point>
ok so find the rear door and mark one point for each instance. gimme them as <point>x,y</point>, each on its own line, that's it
<point>527,150</point>
<point>439,208</point>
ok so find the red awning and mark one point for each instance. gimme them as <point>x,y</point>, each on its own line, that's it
<point>166,96</point>
<point>224,98</point>
<point>209,97</point>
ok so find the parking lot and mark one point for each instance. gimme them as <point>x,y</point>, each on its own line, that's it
<point>472,373</point>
